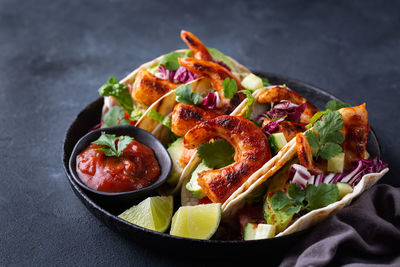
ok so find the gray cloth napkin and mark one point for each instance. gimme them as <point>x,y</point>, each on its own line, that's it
<point>365,233</point>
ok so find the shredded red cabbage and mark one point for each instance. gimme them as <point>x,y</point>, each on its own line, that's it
<point>301,176</point>
<point>271,127</point>
<point>211,101</point>
<point>284,108</point>
<point>181,75</point>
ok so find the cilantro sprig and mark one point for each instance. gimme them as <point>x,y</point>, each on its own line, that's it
<point>111,149</point>
<point>325,137</point>
<point>118,90</point>
<point>185,95</point>
<point>311,198</point>
<point>217,154</point>
<point>230,88</point>
<point>336,105</point>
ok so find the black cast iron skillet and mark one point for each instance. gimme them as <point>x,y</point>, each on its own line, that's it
<point>183,247</point>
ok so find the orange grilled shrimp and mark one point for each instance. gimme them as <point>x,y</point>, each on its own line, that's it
<point>185,117</point>
<point>198,49</point>
<point>304,154</point>
<point>355,129</point>
<point>288,128</point>
<point>148,88</point>
<point>251,152</point>
<point>279,93</point>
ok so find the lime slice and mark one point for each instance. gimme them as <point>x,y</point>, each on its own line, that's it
<point>153,213</point>
<point>198,222</point>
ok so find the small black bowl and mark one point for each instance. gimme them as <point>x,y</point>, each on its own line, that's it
<point>141,136</point>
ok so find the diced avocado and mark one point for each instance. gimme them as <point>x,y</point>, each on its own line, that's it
<point>193,186</point>
<point>175,151</point>
<point>252,82</point>
<point>219,56</point>
<point>344,189</point>
<point>280,219</point>
<point>277,141</point>
<point>336,164</point>
<point>253,231</point>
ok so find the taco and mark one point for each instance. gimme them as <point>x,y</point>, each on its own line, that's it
<point>279,113</point>
<point>322,170</point>
<point>127,101</point>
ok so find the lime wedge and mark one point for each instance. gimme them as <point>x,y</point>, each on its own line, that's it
<point>198,222</point>
<point>153,213</point>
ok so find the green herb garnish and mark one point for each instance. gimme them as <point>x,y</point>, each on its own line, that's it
<point>230,87</point>
<point>158,117</point>
<point>115,116</point>
<point>118,90</point>
<point>325,136</point>
<point>185,95</point>
<point>217,154</point>
<point>170,60</point>
<point>109,141</point>
<point>265,82</point>
<point>311,198</point>
<point>336,105</point>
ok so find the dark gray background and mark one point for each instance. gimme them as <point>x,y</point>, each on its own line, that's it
<point>54,55</point>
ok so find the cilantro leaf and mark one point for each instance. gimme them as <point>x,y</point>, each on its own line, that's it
<point>217,154</point>
<point>118,90</point>
<point>265,82</point>
<point>321,196</point>
<point>115,116</point>
<point>335,105</point>
<point>325,137</point>
<point>108,142</point>
<point>185,95</point>
<point>250,102</point>
<point>296,193</point>
<point>279,201</point>
<point>329,150</point>
<point>312,138</point>
<point>170,60</point>
<point>230,87</point>
<point>158,117</point>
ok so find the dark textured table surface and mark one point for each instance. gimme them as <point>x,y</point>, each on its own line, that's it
<point>54,55</point>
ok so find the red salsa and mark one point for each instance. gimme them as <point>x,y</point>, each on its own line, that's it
<point>136,168</point>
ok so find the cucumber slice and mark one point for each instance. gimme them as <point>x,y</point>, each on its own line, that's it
<point>175,151</point>
<point>277,141</point>
<point>336,164</point>
<point>249,231</point>
<point>252,82</point>
<point>193,186</point>
<point>344,189</point>
<point>253,231</point>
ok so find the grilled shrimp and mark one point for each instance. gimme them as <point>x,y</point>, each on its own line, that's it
<point>355,129</point>
<point>304,154</point>
<point>278,93</point>
<point>147,88</point>
<point>198,49</point>
<point>185,117</point>
<point>251,152</point>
